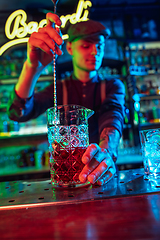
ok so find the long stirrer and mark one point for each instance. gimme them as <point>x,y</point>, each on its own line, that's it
<point>54,63</point>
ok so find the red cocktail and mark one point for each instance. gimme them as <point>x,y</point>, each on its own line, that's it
<point>67,166</point>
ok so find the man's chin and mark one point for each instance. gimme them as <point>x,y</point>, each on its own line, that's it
<point>93,67</point>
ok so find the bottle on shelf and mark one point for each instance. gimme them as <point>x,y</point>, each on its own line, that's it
<point>138,56</point>
<point>152,27</point>
<point>136,27</point>
<point>152,60</point>
<point>157,60</point>
<point>145,57</point>
<point>144,27</point>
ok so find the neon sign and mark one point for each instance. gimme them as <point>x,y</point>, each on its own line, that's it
<point>17,28</point>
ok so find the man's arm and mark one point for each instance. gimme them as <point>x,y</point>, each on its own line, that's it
<point>109,139</point>
<point>27,80</point>
<point>100,159</point>
<point>40,49</point>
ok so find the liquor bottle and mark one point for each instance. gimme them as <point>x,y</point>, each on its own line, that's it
<point>145,57</point>
<point>152,59</point>
<point>157,60</point>
<point>144,27</point>
<point>139,58</point>
<point>152,29</point>
<point>136,28</point>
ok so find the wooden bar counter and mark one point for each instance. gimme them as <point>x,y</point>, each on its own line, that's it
<point>128,207</point>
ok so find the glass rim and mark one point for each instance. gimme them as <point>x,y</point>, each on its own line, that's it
<point>150,129</point>
<point>69,105</point>
<point>55,109</point>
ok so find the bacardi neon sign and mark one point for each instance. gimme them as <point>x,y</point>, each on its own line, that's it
<point>17,29</point>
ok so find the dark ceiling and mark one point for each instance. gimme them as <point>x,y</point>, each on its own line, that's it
<point>16,4</point>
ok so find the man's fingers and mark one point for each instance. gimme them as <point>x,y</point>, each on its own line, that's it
<point>106,165</point>
<point>53,18</point>
<point>52,34</point>
<point>36,43</point>
<point>90,152</point>
<point>58,51</point>
<point>95,167</point>
<point>107,176</point>
<point>88,168</point>
<point>98,172</point>
<point>98,165</point>
<point>43,41</point>
<point>53,30</point>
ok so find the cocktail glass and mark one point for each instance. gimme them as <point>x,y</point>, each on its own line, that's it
<point>150,145</point>
<point>68,139</point>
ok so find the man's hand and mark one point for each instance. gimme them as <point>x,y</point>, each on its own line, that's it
<point>99,166</point>
<point>41,44</point>
<point>40,49</point>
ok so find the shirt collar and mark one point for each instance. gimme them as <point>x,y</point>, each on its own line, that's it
<point>93,80</point>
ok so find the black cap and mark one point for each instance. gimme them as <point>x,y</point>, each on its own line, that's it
<point>87,30</point>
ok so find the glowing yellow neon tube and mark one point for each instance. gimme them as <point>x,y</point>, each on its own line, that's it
<point>20,41</point>
<point>21,29</point>
<point>12,43</point>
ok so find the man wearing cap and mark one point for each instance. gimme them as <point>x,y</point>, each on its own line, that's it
<point>84,87</point>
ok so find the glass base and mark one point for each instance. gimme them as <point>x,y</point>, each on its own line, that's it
<point>152,176</point>
<point>69,185</point>
<point>154,179</point>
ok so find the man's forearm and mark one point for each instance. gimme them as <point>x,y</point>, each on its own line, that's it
<point>27,80</point>
<point>109,139</point>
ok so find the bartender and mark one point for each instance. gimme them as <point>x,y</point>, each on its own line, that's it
<point>84,87</point>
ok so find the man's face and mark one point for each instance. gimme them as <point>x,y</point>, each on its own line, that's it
<point>86,55</point>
